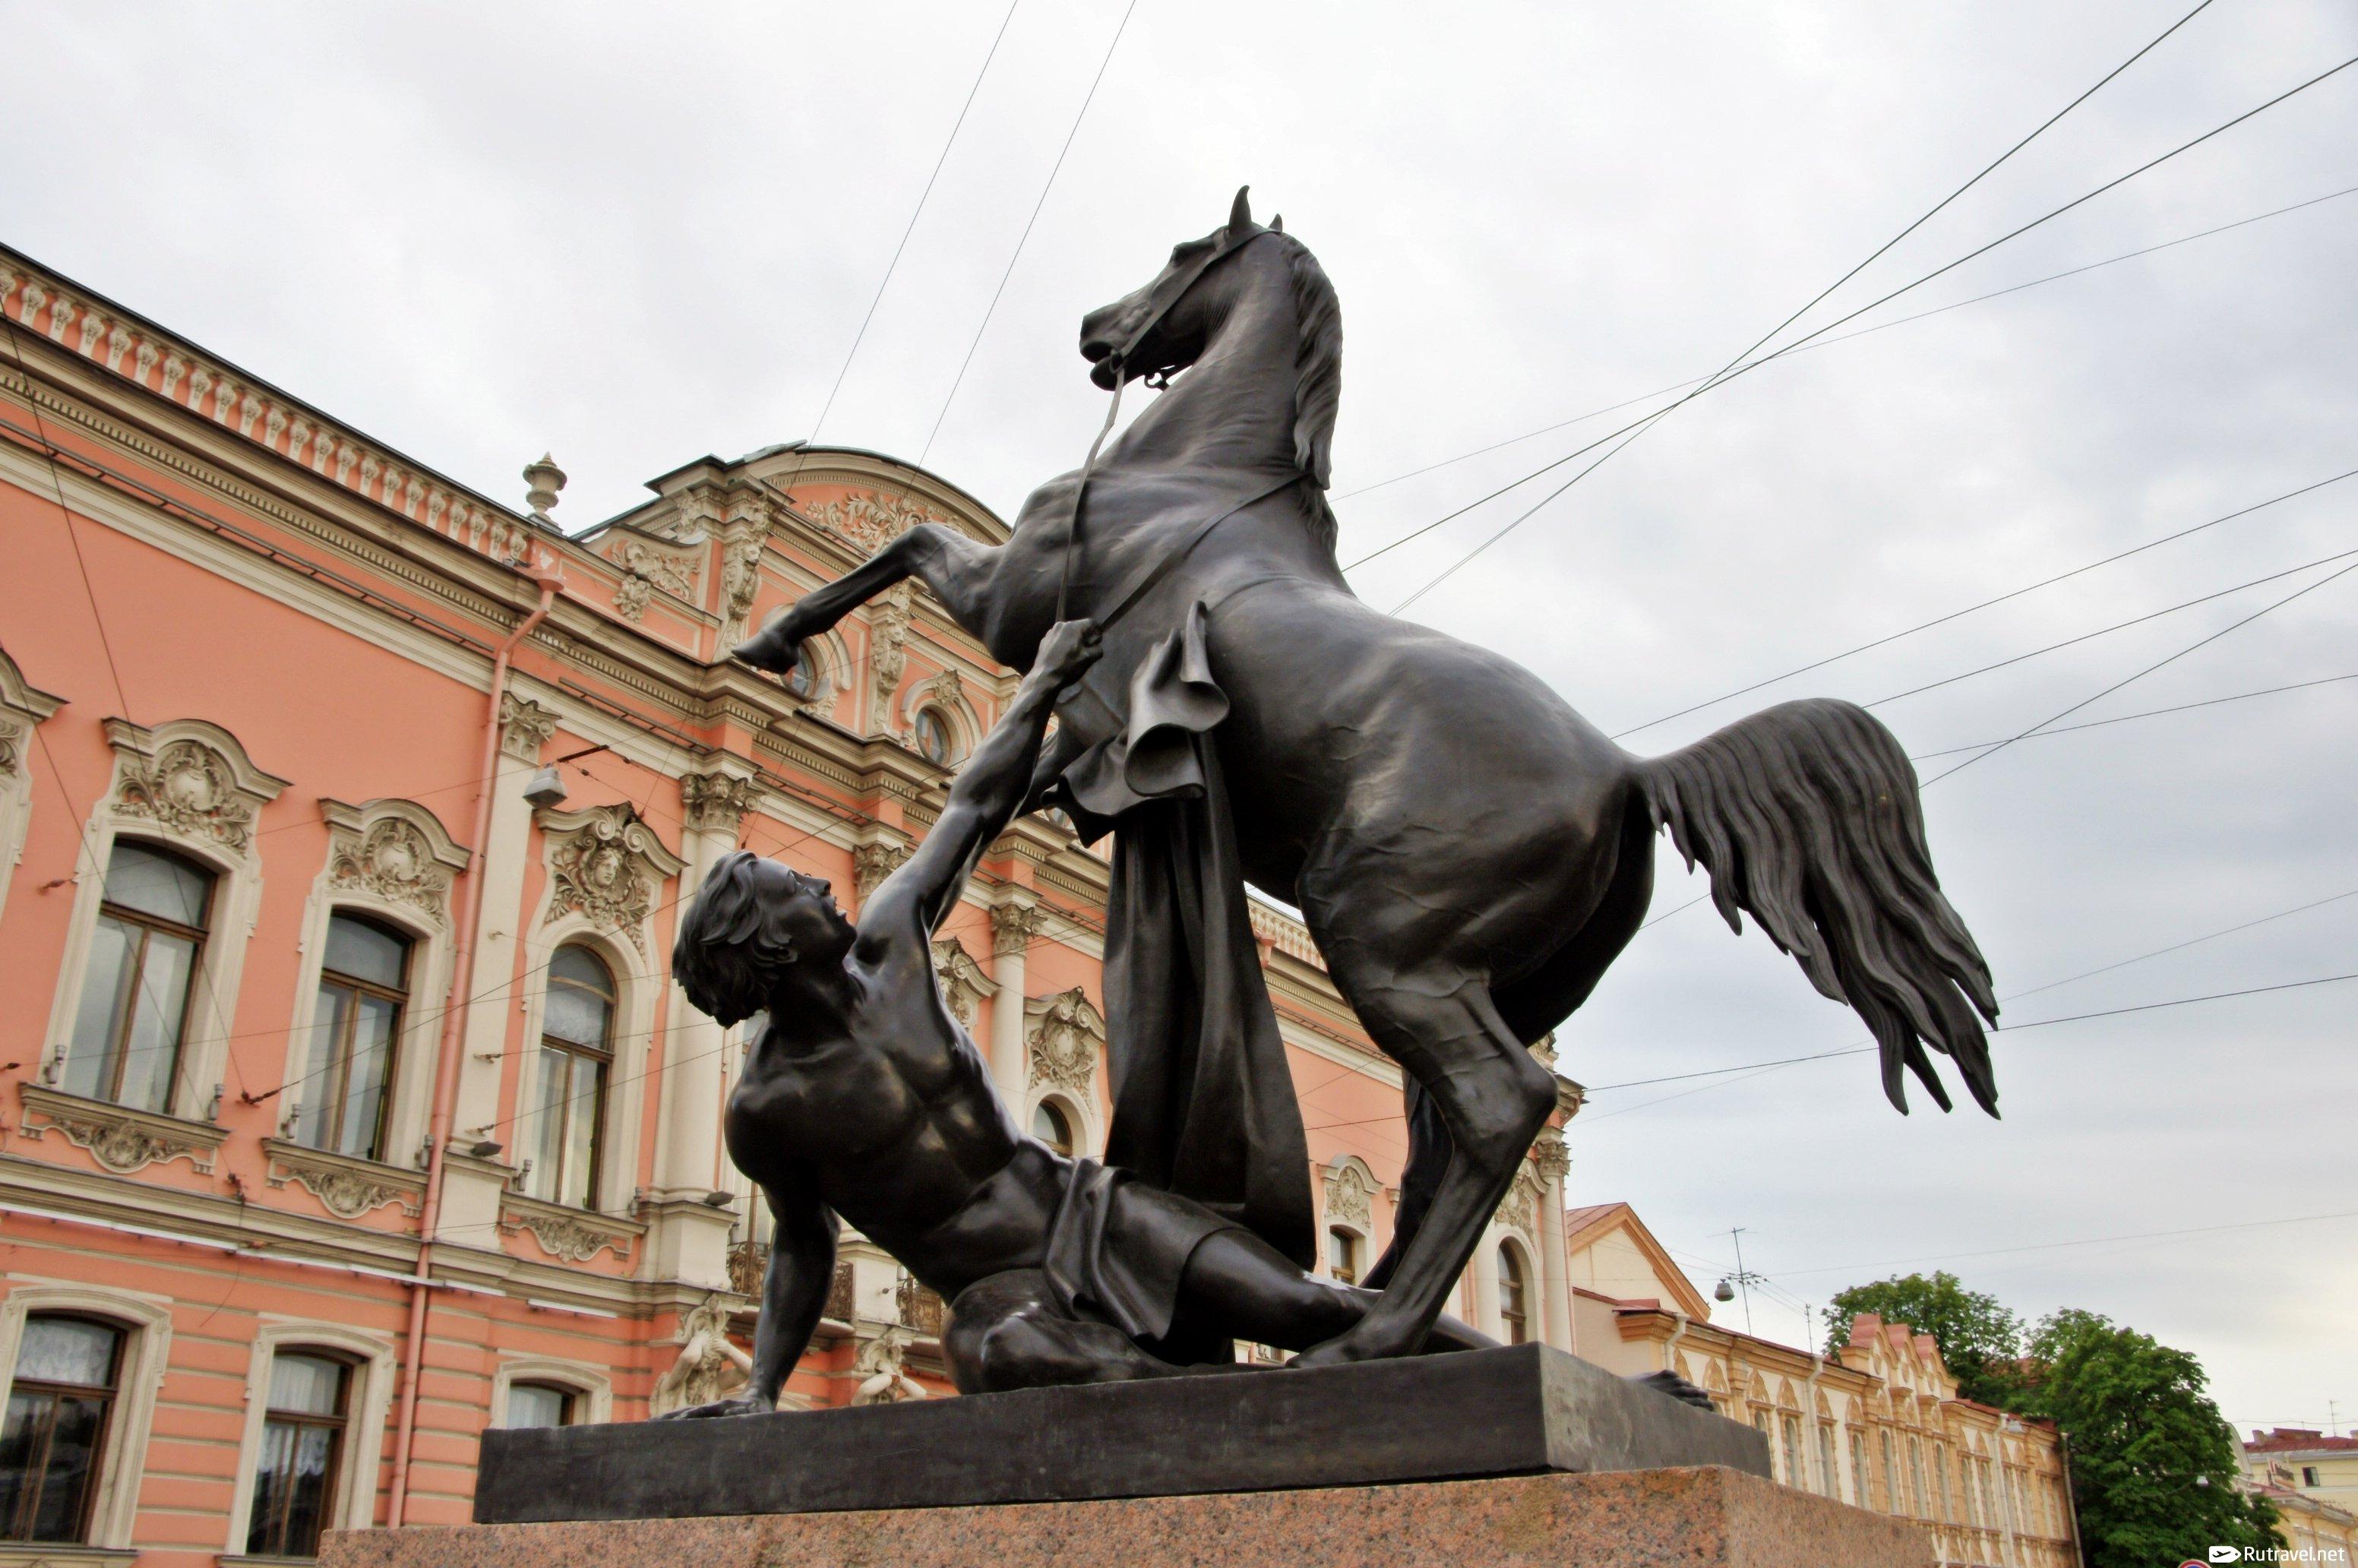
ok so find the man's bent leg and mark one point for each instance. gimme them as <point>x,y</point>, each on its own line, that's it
<point>1237,1284</point>
<point>1008,1332</point>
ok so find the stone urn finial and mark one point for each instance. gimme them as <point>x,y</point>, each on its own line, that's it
<point>546,479</point>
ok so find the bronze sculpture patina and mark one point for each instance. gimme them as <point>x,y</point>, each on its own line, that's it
<point>863,1096</point>
<point>1468,852</point>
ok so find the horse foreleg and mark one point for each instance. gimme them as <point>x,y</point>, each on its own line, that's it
<point>1493,1098</point>
<point>957,568</point>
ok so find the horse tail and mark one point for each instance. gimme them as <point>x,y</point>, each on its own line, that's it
<point>1806,815</point>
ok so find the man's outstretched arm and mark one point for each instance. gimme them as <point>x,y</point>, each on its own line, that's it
<point>793,1294</point>
<point>986,795</point>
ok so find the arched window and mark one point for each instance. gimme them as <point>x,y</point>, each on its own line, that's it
<point>577,1056</point>
<point>1342,1254</point>
<point>803,679</point>
<point>933,737</point>
<point>133,1017</point>
<point>302,1449</point>
<point>58,1409</point>
<point>541,1404</point>
<point>1052,1127</point>
<point>1514,1295</point>
<point>363,985</point>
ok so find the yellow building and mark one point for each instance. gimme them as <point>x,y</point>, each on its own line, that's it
<point>2313,1480</point>
<point>1879,1424</point>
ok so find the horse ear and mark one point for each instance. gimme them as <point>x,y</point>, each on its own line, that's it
<point>1240,215</point>
<point>1277,224</point>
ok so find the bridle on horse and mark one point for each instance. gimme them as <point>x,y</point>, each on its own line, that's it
<point>1240,231</point>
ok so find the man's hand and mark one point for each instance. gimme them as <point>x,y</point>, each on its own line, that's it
<point>742,1404</point>
<point>1070,647</point>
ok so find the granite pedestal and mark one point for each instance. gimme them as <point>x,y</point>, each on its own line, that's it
<point>1521,1411</point>
<point>1711,1517</point>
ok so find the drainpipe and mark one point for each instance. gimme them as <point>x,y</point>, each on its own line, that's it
<point>2071,1495</point>
<point>548,579</point>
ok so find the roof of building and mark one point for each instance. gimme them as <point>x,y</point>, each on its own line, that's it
<point>1591,1223</point>
<point>2298,1440</point>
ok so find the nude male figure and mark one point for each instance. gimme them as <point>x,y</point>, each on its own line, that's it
<point>863,1096</point>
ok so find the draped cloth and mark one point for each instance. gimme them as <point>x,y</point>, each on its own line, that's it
<point>1203,1099</point>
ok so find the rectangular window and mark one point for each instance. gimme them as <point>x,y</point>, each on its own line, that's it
<point>143,954</point>
<point>539,1404</point>
<point>1890,1478</point>
<point>55,1430</point>
<point>1859,1487</point>
<point>576,1055</point>
<point>1795,1476</point>
<point>302,1447</point>
<point>2308,1475</point>
<point>1829,1480</point>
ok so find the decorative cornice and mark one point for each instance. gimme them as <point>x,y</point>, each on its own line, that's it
<point>189,778</point>
<point>395,850</point>
<point>349,1188</point>
<point>119,1137</point>
<point>1350,1197</point>
<point>1064,1036</point>
<point>961,979</point>
<point>575,1235</point>
<point>1549,1156</point>
<point>138,353</point>
<point>606,864</point>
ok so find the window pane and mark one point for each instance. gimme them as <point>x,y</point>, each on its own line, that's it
<point>306,1509</point>
<point>105,994</point>
<point>157,884</point>
<point>152,1054</point>
<point>1048,1125</point>
<point>366,952</point>
<point>548,1127</point>
<point>49,1502</point>
<point>537,1404</point>
<point>69,1350</point>
<point>273,1473</point>
<point>583,1117</point>
<point>309,1385</point>
<point>364,1079</point>
<point>575,1015</point>
<point>21,1441</point>
<point>323,1077</point>
<point>579,965</point>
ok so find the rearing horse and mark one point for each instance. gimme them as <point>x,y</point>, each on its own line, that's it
<point>1469,853</point>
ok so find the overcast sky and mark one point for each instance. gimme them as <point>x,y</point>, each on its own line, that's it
<point>634,237</point>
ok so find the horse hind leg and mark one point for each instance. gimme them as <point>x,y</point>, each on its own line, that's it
<point>1491,1097</point>
<point>958,570</point>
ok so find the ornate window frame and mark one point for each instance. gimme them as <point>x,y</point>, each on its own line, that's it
<point>23,708</point>
<point>393,862</point>
<point>187,786</point>
<point>605,876</point>
<point>1064,1073</point>
<point>148,1324</point>
<point>587,1382</point>
<point>945,693</point>
<point>1347,1201</point>
<point>368,1403</point>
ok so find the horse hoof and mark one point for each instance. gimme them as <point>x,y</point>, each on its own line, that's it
<point>769,650</point>
<point>1344,1351</point>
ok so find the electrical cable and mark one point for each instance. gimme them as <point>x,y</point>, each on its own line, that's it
<point>2125,718</point>
<point>959,380</point>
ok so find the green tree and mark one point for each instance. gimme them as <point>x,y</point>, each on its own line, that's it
<point>1980,1339</point>
<point>2154,1466</point>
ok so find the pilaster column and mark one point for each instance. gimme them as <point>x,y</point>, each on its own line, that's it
<point>1012,926</point>
<point>688,1140</point>
<point>1549,1159</point>
<point>471,1193</point>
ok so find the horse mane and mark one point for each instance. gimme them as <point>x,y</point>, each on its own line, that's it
<point>1317,377</point>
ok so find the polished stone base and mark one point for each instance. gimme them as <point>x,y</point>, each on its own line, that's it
<point>1521,1411</point>
<point>1709,1518</point>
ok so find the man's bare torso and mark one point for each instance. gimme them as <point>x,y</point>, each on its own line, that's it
<point>896,1127</point>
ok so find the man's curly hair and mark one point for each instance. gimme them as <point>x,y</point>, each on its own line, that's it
<point>730,951</point>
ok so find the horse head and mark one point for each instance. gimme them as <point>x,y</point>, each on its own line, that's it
<point>1167,325</point>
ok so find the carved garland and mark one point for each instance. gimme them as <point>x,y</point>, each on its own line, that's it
<point>1519,1209</point>
<point>393,860</point>
<point>872,863</point>
<point>186,787</point>
<point>962,981</point>
<point>121,1140</point>
<point>571,1239</point>
<point>346,1192</point>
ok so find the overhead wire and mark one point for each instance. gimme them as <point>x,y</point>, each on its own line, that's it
<point>1845,337</point>
<point>1020,240</point>
<point>1638,426</point>
<point>2148,713</point>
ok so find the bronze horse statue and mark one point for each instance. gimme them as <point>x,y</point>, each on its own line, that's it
<point>1468,852</point>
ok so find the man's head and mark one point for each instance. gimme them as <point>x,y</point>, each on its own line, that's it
<point>753,926</point>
